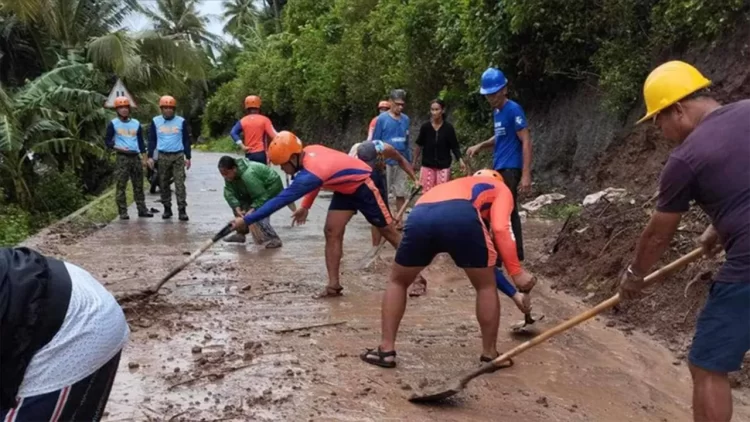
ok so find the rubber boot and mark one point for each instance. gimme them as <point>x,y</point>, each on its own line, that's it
<point>145,214</point>
<point>274,243</point>
<point>167,213</point>
<point>183,214</point>
<point>235,238</point>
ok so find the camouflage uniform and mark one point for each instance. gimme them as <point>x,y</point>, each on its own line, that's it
<point>171,167</point>
<point>129,167</point>
<point>125,137</point>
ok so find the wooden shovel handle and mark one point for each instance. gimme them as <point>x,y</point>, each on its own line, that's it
<point>652,278</point>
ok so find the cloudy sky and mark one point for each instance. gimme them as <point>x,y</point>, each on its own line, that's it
<point>210,8</point>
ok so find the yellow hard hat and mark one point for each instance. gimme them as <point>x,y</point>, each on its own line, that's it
<point>668,84</point>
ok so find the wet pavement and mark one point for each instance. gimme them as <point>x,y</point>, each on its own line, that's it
<point>209,347</point>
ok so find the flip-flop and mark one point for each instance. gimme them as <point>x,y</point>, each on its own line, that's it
<point>412,293</point>
<point>528,320</point>
<point>486,359</point>
<point>381,355</point>
<point>329,292</point>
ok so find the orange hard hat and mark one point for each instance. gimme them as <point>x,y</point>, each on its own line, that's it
<point>283,146</point>
<point>489,173</point>
<point>122,102</point>
<point>384,104</point>
<point>167,101</point>
<point>252,101</point>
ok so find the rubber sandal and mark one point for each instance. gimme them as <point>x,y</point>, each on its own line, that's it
<point>381,355</point>
<point>506,364</point>
<point>329,292</point>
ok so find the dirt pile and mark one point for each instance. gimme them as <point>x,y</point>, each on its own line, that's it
<point>593,248</point>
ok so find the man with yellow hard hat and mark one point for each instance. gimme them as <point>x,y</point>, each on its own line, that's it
<point>711,165</point>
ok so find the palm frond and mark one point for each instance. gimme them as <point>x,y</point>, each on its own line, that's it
<point>42,127</point>
<point>112,52</point>
<point>11,138</point>
<point>67,144</point>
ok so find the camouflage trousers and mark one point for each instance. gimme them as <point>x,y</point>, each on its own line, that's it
<point>129,167</point>
<point>265,232</point>
<point>172,168</point>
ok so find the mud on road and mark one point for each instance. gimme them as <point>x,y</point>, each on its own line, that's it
<point>225,340</point>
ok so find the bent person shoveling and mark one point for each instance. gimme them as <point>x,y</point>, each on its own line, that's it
<point>444,391</point>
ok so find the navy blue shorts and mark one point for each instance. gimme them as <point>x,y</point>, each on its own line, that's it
<point>453,227</point>
<point>722,333</point>
<point>82,401</point>
<point>367,200</point>
<point>259,157</point>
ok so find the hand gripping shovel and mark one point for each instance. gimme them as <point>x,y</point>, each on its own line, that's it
<point>373,253</point>
<point>504,360</point>
<point>155,288</point>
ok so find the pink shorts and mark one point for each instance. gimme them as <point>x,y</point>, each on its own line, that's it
<point>429,177</point>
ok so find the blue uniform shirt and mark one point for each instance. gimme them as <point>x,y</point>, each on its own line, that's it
<point>171,135</point>
<point>125,134</point>
<point>393,132</point>
<point>508,147</point>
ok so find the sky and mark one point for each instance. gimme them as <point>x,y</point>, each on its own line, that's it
<point>210,8</point>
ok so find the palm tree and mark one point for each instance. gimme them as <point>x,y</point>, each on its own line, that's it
<point>240,14</point>
<point>181,19</point>
<point>148,61</point>
<point>71,23</point>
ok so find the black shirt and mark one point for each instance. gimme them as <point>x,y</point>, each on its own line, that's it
<point>437,145</point>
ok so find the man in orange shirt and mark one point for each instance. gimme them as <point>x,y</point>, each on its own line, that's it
<point>383,106</point>
<point>316,167</point>
<point>453,218</point>
<point>257,130</point>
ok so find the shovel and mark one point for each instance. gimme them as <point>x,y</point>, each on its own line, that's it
<point>504,360</point>
<point>155,288</point>
<point>373,253</point>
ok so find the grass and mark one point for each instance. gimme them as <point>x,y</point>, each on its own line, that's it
<point>560,211</point>
<point>106,210</point>
<point>223,144</point>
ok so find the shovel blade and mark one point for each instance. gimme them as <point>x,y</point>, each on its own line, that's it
<point>434,395</point>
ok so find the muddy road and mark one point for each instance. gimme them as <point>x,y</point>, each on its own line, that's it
<point>212,347</point>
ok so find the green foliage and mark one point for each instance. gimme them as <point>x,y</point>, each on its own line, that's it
<point>103,211</point>
<point>223,144</point>
<point>58,193</point>
<point>560,211</point>
<point>15,227</point>
<point>335,59</point>
<point>681,21</point>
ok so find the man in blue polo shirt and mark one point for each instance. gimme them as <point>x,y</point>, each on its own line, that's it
<point>511,142</point>
<point>392,127</point>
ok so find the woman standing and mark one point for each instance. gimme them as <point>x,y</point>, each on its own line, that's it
<point>435,142</point>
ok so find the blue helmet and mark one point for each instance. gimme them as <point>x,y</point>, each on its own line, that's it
<point>493,80</point>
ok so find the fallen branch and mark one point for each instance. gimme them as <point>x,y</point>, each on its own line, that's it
<point>218,375</point>
<point>178,415</point>
<point>606,245</point>
<point>328,324</point>
<point>561,234</point>
<point>273,292</point>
